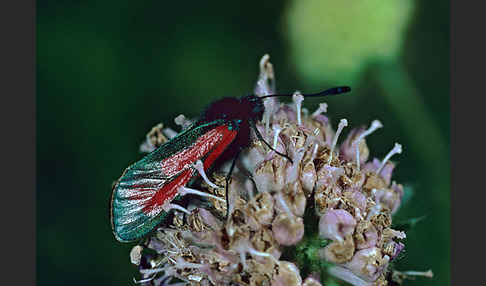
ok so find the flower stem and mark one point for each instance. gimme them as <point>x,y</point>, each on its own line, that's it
<point>426,139</point>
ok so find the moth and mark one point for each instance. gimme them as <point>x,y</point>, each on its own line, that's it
<point>143,195</point>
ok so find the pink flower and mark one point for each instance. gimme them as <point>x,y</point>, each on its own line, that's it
<point>366,235</point>
<point>368,263</point>
<point>348,147</point>
<point>336,224</point>
<point>268,195</point>
<point>385,173</point>
<point>288,230</point>
<point>310,281</point>
<point>289,275</point>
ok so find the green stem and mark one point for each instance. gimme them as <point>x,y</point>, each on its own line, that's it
<point>431,147</point>
<point>426,139</point>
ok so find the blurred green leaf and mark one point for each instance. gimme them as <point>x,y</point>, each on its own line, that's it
<point>330,282</point>
<point>408,192</point>
<point>408,224</point>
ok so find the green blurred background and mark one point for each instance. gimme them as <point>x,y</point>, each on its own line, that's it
<point>107,71</point>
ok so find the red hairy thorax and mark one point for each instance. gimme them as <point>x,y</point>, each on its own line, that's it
<point>246,108</point>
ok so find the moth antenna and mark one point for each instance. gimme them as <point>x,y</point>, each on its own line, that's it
<point>397,149</point>
<point>227,179</point>
<point>331,91</point>
<point>376,124</point>
<point>293,172</point>
<point>260,137</point>
<point>184,191</point>
<point>298,98</point>
<point>343,123</point>
<point>199,166</point>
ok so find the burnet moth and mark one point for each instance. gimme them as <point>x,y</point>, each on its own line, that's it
<point>143,195</point>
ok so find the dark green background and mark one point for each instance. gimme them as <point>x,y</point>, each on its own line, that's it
<point>107,71</point>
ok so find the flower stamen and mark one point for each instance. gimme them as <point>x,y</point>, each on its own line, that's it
<point>255,252</point>
<point>176,207</point>
<point>284,205</point>
<point>184,191</point>
<point>199,166</point>
<point>181,264</point>
<point>169,132</point>
<point>343,123</point>
<point>269,105</point>
<point>376,124</point>
<point>143,280</point>
<point>182,121</point>
<point>397,149</point>
<point>428,274</point>
<point>298,98</point>
<point>276,131</point>
<point>321,109</point>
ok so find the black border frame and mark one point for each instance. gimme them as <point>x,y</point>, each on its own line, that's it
<point>467,152</point>
<point>18,86</point>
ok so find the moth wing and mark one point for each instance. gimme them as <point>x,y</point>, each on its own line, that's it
<point>141,196</point>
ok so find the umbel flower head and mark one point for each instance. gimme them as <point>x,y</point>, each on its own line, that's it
<point>328,211</point>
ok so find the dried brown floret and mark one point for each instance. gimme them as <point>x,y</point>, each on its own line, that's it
<point>339,252</point>
<point>373,181</point>
<point>268,196</point>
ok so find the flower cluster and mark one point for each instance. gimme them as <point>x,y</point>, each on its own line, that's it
<point>274,202</point>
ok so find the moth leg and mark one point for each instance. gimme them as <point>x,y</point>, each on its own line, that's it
<point>184,191</point>
<point>248,174</point>
<point>228,178</point>
<point>260,137</point>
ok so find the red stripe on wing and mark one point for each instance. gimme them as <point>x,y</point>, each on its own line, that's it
<point>228,137</point>
<point>167,193</point>
<point>215,138</point>
<point>214,141</point>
